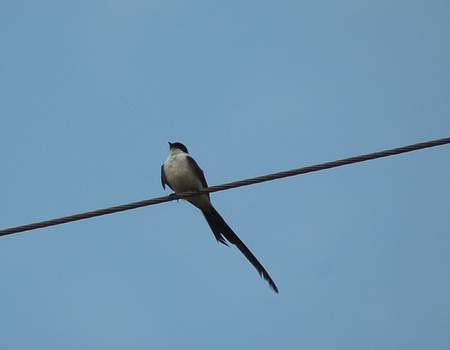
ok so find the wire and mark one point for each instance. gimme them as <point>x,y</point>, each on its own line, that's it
<point>226,186</point>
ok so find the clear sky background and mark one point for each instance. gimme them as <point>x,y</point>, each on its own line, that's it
<point>91,91</point>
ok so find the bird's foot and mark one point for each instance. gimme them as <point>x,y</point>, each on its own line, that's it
<point>173,195</point>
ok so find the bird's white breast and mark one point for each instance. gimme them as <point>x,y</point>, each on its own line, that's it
<point>179,173</point>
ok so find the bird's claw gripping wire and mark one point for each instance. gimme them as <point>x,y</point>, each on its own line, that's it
<point>173,195</point>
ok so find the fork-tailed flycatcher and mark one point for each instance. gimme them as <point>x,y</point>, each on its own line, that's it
<point>182,174</point>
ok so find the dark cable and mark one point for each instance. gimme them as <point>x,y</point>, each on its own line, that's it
<point>227,186</point>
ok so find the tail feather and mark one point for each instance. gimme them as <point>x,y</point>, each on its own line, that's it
<point>224,233</point>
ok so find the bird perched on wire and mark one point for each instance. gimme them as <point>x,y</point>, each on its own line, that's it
<point>182,174</point>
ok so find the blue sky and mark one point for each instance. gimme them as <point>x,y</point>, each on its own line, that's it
<point>92,91</point>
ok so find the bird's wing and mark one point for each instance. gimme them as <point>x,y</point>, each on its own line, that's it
<point>198,172</point>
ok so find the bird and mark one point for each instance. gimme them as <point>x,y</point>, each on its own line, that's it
<point>182,174</point>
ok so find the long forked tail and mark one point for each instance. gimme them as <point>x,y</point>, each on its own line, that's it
<point>224,233</point>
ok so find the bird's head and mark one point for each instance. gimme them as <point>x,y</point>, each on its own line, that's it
<point>178,146</point>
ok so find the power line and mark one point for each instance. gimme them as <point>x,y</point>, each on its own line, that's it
<point>226,186</point>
